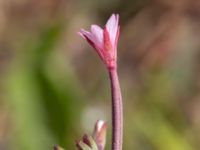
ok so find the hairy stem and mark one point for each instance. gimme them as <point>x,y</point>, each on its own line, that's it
<point>117,110</point>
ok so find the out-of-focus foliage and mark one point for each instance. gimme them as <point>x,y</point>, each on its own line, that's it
<point>54,88</point>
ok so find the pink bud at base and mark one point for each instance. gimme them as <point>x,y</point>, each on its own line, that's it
<point>99,134</point>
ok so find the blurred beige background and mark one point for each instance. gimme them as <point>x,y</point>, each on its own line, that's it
<point>53,86</point>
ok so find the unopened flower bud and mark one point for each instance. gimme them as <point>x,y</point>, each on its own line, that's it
<point>87,143</point>
<point>99,134</point>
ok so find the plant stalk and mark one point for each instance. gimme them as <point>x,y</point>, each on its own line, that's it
<point>117,110</point>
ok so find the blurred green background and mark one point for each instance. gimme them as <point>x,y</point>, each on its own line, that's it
<point>53,86</point>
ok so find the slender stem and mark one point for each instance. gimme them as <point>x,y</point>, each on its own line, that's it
<point>117,112</point>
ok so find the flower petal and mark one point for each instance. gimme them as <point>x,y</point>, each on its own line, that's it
<point>88,36</point>
<point>107,41</point>
<point>112,27</point>
<point>93,39</point>
<point>85,34</point>
<point>97,33</point>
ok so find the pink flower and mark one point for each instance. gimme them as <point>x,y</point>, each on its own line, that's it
<point>104,41</point>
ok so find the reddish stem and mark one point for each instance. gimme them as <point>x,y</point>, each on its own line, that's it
<point>117,110</point>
